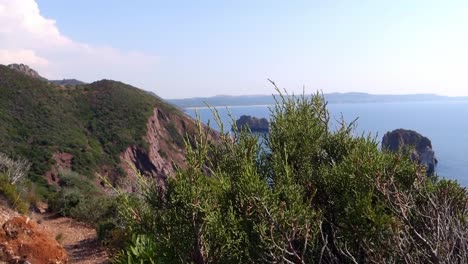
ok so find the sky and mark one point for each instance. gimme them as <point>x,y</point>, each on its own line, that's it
<point>181,49</point>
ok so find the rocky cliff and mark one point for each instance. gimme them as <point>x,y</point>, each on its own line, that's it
<point>419,146</point>
<point>255,124</point>
<point>165,136</point>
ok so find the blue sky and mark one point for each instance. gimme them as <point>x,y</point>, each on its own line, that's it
<point>203,48</point>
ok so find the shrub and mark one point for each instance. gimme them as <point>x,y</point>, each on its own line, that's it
<point>175,135</point>
<point>13,195</point>
<point>142,249</point>
<point>79,198</point>
<point>14,170</point>
<point>313,194</point>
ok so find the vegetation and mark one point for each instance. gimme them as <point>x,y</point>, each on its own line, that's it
<point>13,195</point>
<point>93,122</point>
<point>78,197</point>
<point>313,195</point>
<point>13,185</point>
<point>14,170</point>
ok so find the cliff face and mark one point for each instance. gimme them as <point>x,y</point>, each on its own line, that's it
<point>166,149</point>
<point>419,146</point>
<point>161,158</point>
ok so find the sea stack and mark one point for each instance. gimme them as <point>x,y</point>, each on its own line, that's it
<point>258,125</point>
<point>419,146</point>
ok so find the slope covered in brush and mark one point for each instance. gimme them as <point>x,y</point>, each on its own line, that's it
<point>92,123</point>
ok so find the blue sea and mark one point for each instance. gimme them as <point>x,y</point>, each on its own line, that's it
<point>444,123</point>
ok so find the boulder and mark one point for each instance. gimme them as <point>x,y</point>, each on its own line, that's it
<point>23,241</point>
<point>419,146</point>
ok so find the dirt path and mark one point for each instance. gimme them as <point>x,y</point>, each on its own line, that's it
<point>79,240</point>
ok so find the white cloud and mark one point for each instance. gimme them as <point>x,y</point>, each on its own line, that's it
<point>28,57</point>
<point>28,37</point>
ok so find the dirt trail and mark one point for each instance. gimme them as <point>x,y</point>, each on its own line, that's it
<point>78,239</point>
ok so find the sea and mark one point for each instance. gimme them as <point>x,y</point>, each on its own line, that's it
<point>444,123</point>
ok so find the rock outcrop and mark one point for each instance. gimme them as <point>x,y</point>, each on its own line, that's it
<point>166,150</point>
<point>419,146</point>
<point>22,241</point>
<point>259,125</point>
<point>25,70</point>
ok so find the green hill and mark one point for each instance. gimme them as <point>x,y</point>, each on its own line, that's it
<point>92,123</point>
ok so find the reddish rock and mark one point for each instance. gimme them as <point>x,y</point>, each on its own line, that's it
<point>63,160</point>
<point>22,240</point>
<point>165,153</point>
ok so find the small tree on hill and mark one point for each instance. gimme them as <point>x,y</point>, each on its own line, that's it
<point>14,170</point>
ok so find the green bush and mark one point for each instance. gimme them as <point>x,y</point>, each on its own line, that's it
<point>313,195</point>
<point>142,249</point>
<point>13,195</point>
<point>79,198</point>
<point>175,135</point>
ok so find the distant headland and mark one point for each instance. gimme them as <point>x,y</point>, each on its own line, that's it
<point>333,98</point>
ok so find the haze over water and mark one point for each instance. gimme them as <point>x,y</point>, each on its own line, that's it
<point>444,123</point>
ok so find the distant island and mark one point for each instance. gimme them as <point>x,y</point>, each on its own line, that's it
<point>333,98</point>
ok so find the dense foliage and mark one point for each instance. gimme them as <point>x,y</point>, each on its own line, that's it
<point>80,198</point>
<point>93,122</point>
<point>314,194</point>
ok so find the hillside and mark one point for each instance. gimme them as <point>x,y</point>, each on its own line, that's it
<point>67,82</point>
<point>88,129</point>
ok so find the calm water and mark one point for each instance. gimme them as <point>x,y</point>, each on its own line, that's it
<point>444,123</point>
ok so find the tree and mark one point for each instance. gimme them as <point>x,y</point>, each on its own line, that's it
<point>14,170</point>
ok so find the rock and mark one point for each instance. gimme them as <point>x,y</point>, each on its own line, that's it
<point>25,70</point>
<point>22,241</point>
<point>41,207</point>
<point>255,124</point>
<point>166,149</point>
<point>419,146</point>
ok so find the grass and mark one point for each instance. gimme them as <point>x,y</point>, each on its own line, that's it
<point>13,195</point>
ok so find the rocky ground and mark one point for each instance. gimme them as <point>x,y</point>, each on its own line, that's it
<point>78,239</point>
<point>40,232</point>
